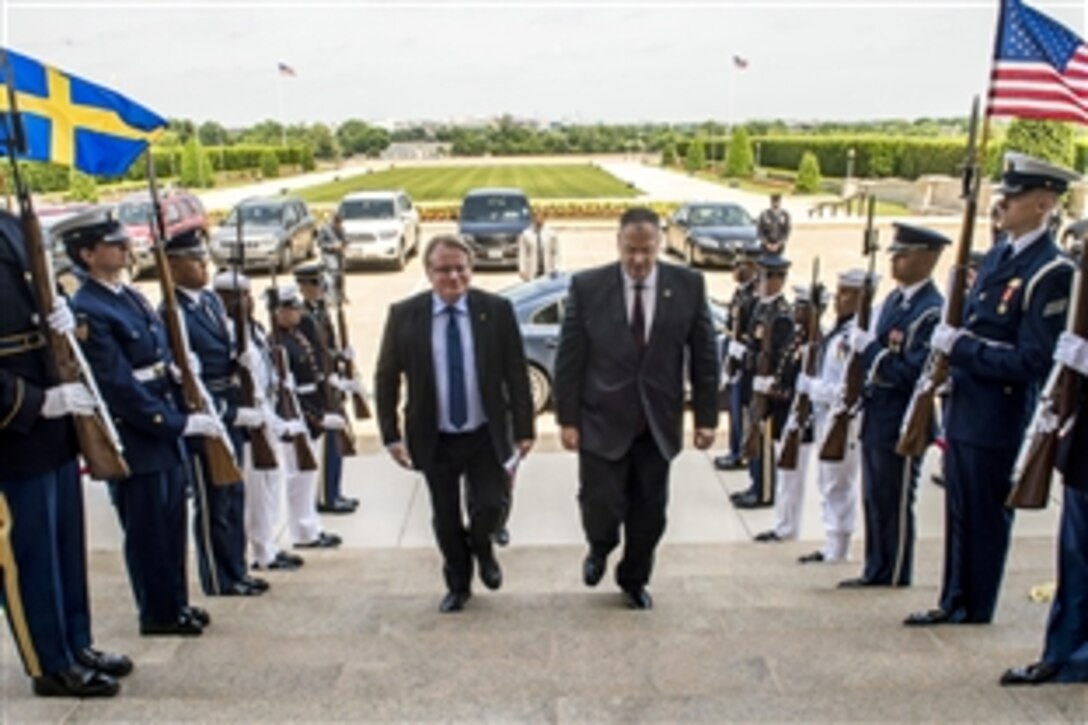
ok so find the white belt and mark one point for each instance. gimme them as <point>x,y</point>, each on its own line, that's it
<point>307,388</point>
<point>151,372</point>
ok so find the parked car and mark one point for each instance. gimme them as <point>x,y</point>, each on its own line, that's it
<point>49,217</point>
<point>277,231</point>
<point>379,226</point>
<point>538,307</point>
<point>709,232</point>
<point>490,221</point>
<point>181,211</point>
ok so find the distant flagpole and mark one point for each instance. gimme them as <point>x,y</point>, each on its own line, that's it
<point>282,71</point>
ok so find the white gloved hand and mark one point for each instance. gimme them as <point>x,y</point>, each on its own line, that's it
<point>348,353</point>
<point>332,421</point>
<point>251,360</point>
<point>860,339</point>
<point>61,320</point>
<point>824,393</point>
<point>944,338</point>
<point>249,418</point>
<point>804,385</point>
<point>295,427</point>
<point>194,363</point>
<point>276,425</point>
<point>67,399</point>
<point>202,424</point>
<point>351,387</point>
<point>737,350</point>
<point>763,383</point>
<point>1072,351</point>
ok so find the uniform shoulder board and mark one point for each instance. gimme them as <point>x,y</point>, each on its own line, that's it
<point>1058,262</point>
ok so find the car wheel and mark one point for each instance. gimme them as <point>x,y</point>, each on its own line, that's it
<point>540,387</point>
<point>689,254</point>
<point>398,263</point>
<point>283,261</point>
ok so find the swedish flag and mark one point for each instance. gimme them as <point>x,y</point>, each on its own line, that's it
<point>73,122</point>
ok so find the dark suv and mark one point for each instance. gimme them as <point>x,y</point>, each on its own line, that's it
<point>491,220</point>
<point>181,210</point>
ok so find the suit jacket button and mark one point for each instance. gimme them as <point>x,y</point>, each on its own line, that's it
<point>982,295</point>
<point>157,420</point>
<point>1008,390</point>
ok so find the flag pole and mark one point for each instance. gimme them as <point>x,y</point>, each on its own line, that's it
<point>279,107</point>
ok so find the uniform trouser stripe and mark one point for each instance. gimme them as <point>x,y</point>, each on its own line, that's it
<point>769,463</point>
<point>205,524</point>
<point>13,595</point>
<point>904,522</point>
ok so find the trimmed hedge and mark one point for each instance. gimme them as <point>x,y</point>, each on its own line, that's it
<point>604,209</point>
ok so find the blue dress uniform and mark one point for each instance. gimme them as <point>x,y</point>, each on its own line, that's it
<point>125,343</point>
<point>218,510</point>
<point>1014,313</point>
<point>740,312</point>
<point>42,540</point>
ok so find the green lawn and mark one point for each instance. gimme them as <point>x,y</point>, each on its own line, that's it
<point>449,183</point>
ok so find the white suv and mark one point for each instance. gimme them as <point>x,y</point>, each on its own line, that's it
<point>379,226</point>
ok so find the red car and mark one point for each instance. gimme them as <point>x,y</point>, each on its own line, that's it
<point>181,210</point>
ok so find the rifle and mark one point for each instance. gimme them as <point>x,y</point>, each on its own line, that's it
<point>1055,415</point>
<point>286,400</point>
<point>221,461</point>
<point>915,431</point>
<point>99,442</point>
<point>833,445</point>
<point>800,417</point>
<point>264,457</point>
<point>760,405</point>
<point>362,409</point>
<point>732,365</point>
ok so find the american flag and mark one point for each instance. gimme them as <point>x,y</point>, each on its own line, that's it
<point>285,70</point>
<point>1040,68</point>
<point>739,62</point>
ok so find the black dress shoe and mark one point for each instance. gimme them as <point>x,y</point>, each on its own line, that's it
<point>1037,673</point>
<point>592,570</point>
<point>453,602</point>
<point>728,463</point>
<point>184,626</point>
<point>336,507</point>
<point>324,540</point>
<point>284,561</point>
<point>354,502</point>
<point>767,537</point>
<point>927,618</point>
<point>639,598</point>
<point>239,589</point>
<point>114,665</point>
<point>261,585</point>
<point>198,614</point>
<point>79,681</point>
<point>856,583</point>
<point>501,537</point>
<point>737,495</point>
<point>490,573</point>
<point>814,558</point>
<point>751,501</point>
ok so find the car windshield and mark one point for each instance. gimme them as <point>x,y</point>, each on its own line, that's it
<point>259,215</point>
<point>498,208</point>
<point>134,212</point>
<point>718,216</point>
<point>366,209</point>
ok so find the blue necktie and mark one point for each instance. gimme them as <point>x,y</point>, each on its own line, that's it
<point>455,366</point>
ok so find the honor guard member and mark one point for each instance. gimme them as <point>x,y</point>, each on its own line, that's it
<point>264,488</point>
<point>125,343</point>
<point>745,295</point>
<point>790,484</point>
<point>837,480</point>
<point>219,509</point>
<point>1012,318</point>
<point>302,518</point>
<point>773,226</point>
<point>894,352</point>
<point>317,327</point>
<point>1065,649</point>
<point>43,551</point>
<point>772,316</point>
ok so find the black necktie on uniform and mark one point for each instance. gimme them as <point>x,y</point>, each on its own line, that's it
<point>638,318</point>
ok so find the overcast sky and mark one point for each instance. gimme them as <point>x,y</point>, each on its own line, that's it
<point>599,61</point>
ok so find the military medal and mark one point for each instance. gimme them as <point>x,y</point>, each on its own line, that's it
<point>1008,294</point>
<point>895,340</point>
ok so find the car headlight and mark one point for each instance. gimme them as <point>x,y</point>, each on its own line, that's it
<point>388,234</point>
<point>468,239</point>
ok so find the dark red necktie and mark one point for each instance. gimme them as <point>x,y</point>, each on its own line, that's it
<point>638,318</point>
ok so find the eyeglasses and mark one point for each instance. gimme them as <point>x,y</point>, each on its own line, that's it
<point>457,269</point>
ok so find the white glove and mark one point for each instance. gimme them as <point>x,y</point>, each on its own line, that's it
<point>249,418</point>
<point>202,424</point>
<point>350,387</point>
<point>824,393</point>
<point>251,360</point>
<point>294,427</point>
<point>804,385</point>
<point>944,338</point>
<point>1072,351</point>
<point>61,320</point>
<point>763,383</point>
<point>277,426</point>
<point>348,353</point>
<point>861,339</point>
<point>737,350</point>
<point>67,399</point>
<point>332,421</point>
<point>194,363</point>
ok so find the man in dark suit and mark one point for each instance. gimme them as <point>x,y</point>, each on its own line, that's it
<point>619,390</point>
<point>460,352</point>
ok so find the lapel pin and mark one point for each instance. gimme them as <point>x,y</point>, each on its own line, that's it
<point>667,292</point>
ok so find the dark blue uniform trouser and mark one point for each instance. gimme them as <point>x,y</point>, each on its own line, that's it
<point>151,508</point>
<point>332,467</point>
<point>43,560</point>
<point>763,479</point>
<point>1067,627</point>
<point>736,422</point>
<point>218,528</point>
<point>888,484</point>
<point>977,529</point>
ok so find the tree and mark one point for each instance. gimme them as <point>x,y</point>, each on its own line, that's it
<point>739,161</point>
<point>195,166</point>
<point>1049,140</point>
<point>668,152</point>
<point>82,187</point>
<point>306,158</point>
<point>270,164</point>
<point>183,127</point>
<point>695,158</point>
<point>322,141</point>
<point>211,133</point>
<point>808,174</point>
